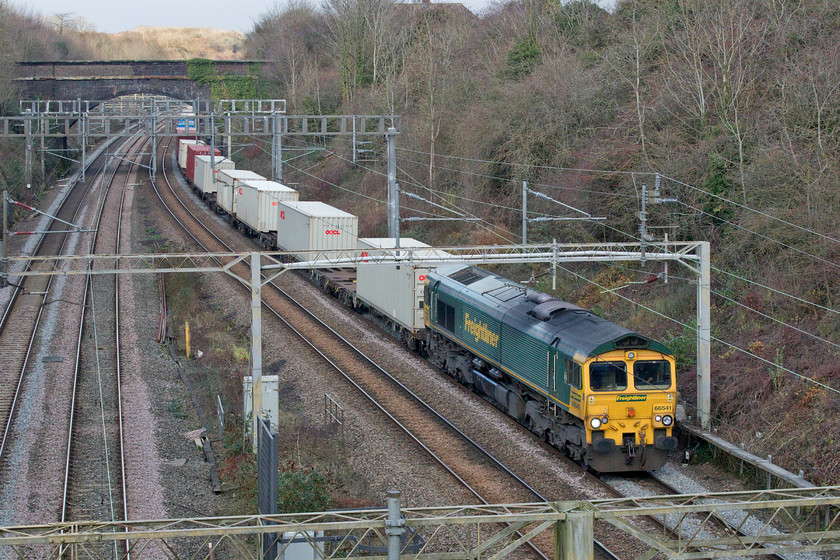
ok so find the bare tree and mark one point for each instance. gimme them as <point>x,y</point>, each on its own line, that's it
<point>713,63</point>
<point>630,63</point>
<point>288,36</point>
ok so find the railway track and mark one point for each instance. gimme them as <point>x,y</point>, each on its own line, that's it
<point>693,527</point>
<point>22,317</point>
<point>94,476</point>
<point>473,466</point>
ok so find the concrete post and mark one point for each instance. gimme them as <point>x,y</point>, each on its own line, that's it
<point>256,343</point>
<point>84,144</point>
<point>4,260</point>
<point>212,151</point>
<point>277,147</point>
<point>524,212</point>
<point>228,141</point>
<point>44,127</point>
<point>704,322</point>
<point>154,141</point>
<point>28,164</point>
<point>643,234</point>
<point>393,188</point>
<point>394,525</point>
<point>574,538</point>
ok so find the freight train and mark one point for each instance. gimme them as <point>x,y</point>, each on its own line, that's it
<point>602,394</point>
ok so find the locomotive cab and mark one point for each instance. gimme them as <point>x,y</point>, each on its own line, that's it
<point>630,398</point>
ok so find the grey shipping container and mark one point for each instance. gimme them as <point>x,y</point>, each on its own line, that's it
<point>228,180</point>
<point>395,290</point>
<point>315,226</point>
<point>204,178</point>
<point>258,203</point>
<point>182,151</point>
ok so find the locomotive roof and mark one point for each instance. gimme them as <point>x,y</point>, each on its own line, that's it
<point>580,331</point>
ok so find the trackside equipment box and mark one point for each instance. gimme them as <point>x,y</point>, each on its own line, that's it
<point>315,226</point>
<point>182,151</point>
<point>204,176</point>
<point>395,290</point>
<point>228,180</point>
<point>258,203</point>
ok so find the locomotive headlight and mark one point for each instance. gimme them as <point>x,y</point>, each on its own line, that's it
<point>658,418</point>
<point>667,420</point>
<point>595,423</point>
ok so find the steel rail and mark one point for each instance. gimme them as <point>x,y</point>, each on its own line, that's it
<point>19,289</point>
<point>89,290</point>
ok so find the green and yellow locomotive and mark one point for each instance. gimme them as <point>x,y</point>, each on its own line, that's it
<point>604,395</point>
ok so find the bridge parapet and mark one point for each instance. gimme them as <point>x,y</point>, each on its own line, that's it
<point>99,80</point>
<point>103,69</point>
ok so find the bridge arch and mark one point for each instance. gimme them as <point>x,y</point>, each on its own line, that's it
<point>101,80</point>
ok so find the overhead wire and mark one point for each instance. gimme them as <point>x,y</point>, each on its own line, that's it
<point>774,290</point>
<point>761,235</point>
<point>712,338</point>
<point>759,212</point>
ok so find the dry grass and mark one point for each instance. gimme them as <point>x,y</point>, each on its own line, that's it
<point>168,43</point>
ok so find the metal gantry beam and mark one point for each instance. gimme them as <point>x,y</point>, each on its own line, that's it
<point>147,104</point>
<point>783,522</point>
<point>694,255</point>
<point>105,125</point>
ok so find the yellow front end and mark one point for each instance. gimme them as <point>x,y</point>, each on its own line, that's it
<point>629,409</point>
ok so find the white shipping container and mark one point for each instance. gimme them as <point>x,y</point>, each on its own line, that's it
<point>228,180</point>
<point>395,290</point>
<point>204,179</point>
<point>182,151</point>
<point>315,226</point>
<point>258,203</point>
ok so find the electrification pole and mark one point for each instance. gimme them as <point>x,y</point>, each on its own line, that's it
<point>256,343</point>
<point>524,212</point>
<point>393,187</point>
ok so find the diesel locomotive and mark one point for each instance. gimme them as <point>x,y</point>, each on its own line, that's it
<point>604,395</point>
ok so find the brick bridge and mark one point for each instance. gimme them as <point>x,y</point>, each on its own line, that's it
<point>101,80</point>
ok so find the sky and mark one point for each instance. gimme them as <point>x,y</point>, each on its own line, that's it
<point>123,15</point>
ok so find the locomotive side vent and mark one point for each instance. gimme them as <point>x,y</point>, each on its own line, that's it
<point>469,275</point>
<point>545,311</point>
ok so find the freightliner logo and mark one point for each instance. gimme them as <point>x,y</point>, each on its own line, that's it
<point>630,398</point>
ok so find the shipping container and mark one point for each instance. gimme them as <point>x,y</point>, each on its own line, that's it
<point>258,203</point>
<point>196,150</point>
<point>182,151</point>
<point>229,179</point>
<point>205,178</point>
<point>395,290</point>
<point>315,226</point>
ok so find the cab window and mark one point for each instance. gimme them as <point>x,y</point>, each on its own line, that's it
<point>608,376</point>
<point>573,374</point>
<point>652,374</point>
